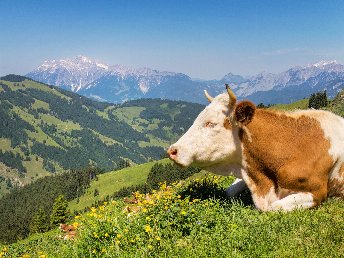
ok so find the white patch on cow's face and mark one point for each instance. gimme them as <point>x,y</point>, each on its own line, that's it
<point>208,143</point>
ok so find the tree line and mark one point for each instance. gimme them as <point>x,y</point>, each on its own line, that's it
<point>20,206</point>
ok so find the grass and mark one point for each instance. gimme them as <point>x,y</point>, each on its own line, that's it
<point>111,182</point>
<point>40,104</point>
<point>173,223</point>
<point>5,144</point>
<point>34,169</point>
<point>106,140</point>
<point>154,141</point>
<point>128,113</point>
<point>33,85</point>
<point>300,104</point>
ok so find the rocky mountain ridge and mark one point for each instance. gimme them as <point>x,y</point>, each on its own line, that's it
<point>115,83</point>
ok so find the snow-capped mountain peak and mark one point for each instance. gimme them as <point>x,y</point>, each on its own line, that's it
<point>324,63</point>
<point>117,83</point>
<point>81,72</point>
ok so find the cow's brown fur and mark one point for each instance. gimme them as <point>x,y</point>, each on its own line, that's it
<point>287,153</point>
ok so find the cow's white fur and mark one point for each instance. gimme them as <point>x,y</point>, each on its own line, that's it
<point>293,201</point>
<point>218,146</point>
<point>333,130</point>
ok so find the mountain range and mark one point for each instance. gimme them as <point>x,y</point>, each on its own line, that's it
<point>117,84</point>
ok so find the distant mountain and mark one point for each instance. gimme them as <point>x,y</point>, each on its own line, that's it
<point>293,84</point>
<point>71,74</point>
<point>115,83</point>
<point>45,129</point>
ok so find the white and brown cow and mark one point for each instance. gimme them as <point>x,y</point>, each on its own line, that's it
<point>288,160</point>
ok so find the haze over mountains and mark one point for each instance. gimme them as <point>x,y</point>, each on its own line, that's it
<point>115,83</point>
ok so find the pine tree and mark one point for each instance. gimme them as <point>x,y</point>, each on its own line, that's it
<point>59,213</point>
<point>318,100</point>
<point>39,222</point>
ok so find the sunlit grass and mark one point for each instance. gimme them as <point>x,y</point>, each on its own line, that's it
<point>300,104</point>
<point>111,182</point>
<point>172,222</point>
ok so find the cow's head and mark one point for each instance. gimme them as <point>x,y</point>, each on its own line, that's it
<point>213,139</point>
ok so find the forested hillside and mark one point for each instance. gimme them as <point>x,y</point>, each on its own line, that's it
<point>44,129</point>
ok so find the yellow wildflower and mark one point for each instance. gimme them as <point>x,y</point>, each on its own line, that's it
<point>183,213</point>
<point>77,216</point>
<point>158,238</point>
<point>119,235</point>
<point>106,235</point>
<point>150,247</point>
<point>148,228</point>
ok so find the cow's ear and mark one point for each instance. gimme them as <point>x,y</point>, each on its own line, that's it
<point>244,112</point>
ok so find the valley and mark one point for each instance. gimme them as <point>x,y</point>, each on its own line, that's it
<point>46,130</point>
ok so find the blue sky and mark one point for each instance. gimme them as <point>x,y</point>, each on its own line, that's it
<point>204,39</point>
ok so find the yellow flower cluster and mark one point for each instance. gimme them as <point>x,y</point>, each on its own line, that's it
<point>3,251</point>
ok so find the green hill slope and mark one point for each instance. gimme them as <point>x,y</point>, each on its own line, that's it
<point>44,129</point>
<point>191,219</point>
<point>300,104</point>
<point>111,182</point>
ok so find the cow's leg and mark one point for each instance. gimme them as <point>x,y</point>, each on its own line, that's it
<point>262,189</point>
<point>294,201</point>
<point>236,187</point>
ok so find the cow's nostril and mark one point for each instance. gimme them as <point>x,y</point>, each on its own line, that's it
<point>172,152</point>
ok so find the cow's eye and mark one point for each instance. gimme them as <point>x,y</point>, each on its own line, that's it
<point>209,124</point>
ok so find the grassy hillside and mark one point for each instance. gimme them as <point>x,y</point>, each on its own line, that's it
<point>192,219</point>
<point>44,129</point>
<point>300,104</point>
<point>189,219</point>
<point>111,182</point>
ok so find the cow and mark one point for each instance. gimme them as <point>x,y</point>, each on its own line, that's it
<point>287,160</point>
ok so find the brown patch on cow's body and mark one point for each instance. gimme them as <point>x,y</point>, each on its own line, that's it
<point>286,152</point>
<point>336,184</point>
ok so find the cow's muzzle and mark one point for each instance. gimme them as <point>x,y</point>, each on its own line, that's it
<point>172,153</point>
